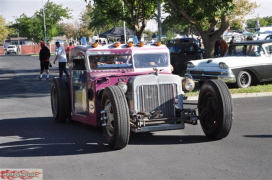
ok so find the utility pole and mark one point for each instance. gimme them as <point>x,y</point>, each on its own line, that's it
<point>18,41</point>
<point>159,20</point>
<point>17,29</point>
<point>45,41</point>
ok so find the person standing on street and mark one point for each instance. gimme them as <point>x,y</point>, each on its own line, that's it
<point>61,56</point>
<point>223,47</point>
<point>68,49</point>
<point>44,56</point>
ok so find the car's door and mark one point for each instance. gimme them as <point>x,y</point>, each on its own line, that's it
<point>79,87</point>
<point>267,62</point>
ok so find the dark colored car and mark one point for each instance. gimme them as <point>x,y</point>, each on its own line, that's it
<point>181,53</point>
<point>269,37</point>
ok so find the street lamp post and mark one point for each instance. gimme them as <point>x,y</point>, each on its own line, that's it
<point>45,41</point>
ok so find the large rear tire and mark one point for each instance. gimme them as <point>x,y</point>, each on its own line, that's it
<point>60,100</point>
<point>117,128</point>
<point>215,109</point>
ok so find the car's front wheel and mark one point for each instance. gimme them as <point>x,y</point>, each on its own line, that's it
<point>243,79</point>
<point>215,109</point>
<point>116,126</point>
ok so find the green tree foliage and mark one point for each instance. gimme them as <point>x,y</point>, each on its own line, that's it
<point>83,29</point>
<point>169,35</point>
<point>3,29</point>
<point>33,27</point>
<point>210,17</point>
<point>136,13</point>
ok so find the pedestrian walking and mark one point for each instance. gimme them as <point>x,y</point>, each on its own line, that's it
<point>61,57</point>
<point>44,57</point>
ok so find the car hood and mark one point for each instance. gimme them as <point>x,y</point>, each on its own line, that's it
<point>232,61</point>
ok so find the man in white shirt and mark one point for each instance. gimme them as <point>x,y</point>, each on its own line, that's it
<point>61,56</point>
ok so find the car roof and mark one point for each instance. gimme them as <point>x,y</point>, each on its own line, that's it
<point>252,42</point>
<point>121,49</point>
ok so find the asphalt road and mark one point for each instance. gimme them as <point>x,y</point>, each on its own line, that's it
<point>29,138</point>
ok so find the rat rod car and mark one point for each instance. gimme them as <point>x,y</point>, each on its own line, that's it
<point>130,88</point>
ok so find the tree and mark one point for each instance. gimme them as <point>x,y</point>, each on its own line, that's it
<point>85,21</point>
<point>210,17</point>
<point>33,27</point>
<point>265,21</point>
<point>3,29</point>
<point>136,13</point>
<point>68,29</point>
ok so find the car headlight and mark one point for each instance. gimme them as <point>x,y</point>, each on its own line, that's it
<point>190,65</point>
<point>223,65</point>
<point>123,86</point>
<point>188,84</point>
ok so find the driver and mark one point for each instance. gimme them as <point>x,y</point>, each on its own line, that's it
<point>146,62</point>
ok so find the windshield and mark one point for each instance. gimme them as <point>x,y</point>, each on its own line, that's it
<point>245,50</point>
<point>150,60</point>
<point>110,61</point>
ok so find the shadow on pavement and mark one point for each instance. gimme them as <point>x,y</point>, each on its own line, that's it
<point>42,136</point>
<point>24,83</point>
<point>151,139</point>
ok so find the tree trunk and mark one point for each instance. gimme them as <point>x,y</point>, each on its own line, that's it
<point>209,48</point>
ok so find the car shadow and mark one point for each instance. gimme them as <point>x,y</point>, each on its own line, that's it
<point>42,136</point>
<point>152,139</point>
<point>259,136</point>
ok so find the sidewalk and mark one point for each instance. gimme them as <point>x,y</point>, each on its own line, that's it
<point>242,95</point>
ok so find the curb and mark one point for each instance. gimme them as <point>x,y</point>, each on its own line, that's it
<point>243,95</point>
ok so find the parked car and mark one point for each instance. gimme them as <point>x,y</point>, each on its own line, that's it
<point>244,63</point>
<point>12,49</point>
<point>181,53</point>
<point>268,37</point>
<point>127,88</point>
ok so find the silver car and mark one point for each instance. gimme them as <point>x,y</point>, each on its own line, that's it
<point>11,49</point>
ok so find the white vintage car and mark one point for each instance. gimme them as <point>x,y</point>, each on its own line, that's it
<point>245,62</point>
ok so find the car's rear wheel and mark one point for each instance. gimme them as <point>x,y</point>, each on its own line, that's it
<point>215,109</point>
<point>243,79</point>
<point>116,114</point>
<point>60,100</point>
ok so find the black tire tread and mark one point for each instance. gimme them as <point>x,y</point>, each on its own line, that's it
<point>224,105</point>
<point>121,124</point>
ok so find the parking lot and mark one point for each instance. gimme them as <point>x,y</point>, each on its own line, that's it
<point>29,138</point>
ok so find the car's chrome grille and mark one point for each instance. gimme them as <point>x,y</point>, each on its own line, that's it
<point>158,100</point>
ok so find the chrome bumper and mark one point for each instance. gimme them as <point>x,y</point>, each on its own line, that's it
<point>204,75</point>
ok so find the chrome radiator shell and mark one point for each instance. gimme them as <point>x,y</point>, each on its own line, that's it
<point>157,94</point>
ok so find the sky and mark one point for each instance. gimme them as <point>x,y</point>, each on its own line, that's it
<point>10,9</point>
